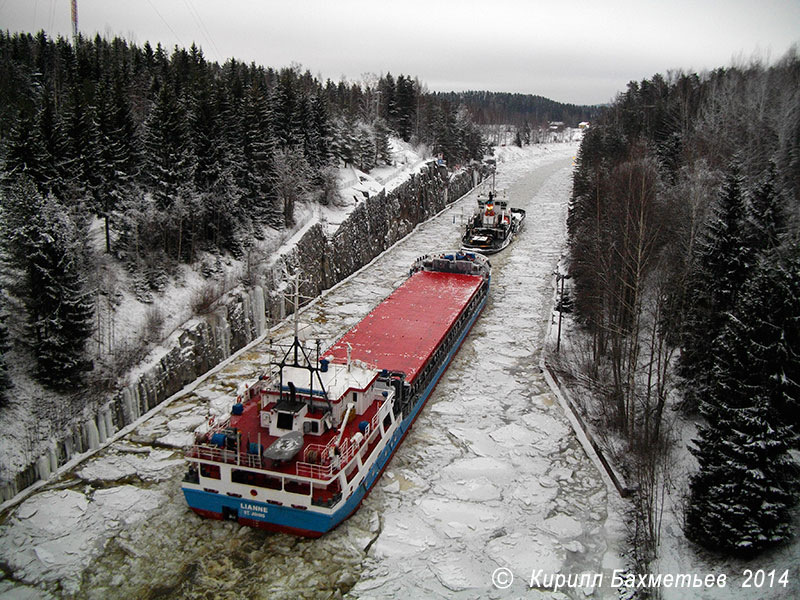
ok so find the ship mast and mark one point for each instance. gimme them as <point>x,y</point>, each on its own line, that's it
<point>296,349</point>
<point>296,317</point>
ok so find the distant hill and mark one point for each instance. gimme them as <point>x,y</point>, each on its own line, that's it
<point>495,108</point>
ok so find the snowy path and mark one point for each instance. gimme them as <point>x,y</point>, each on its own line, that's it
<point>490,476</point>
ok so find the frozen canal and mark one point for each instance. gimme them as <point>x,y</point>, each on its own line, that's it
<point>490,476</point>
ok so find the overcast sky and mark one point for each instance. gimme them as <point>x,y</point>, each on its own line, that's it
<point>578,51</point>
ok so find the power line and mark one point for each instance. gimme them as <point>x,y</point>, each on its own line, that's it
<point>203,29</point>
<point>52,16</point>
<point>163,20</point>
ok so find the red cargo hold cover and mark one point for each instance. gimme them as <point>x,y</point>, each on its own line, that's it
<point>404,330</point>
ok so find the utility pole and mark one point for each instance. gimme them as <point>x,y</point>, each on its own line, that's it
<point>75,22</point>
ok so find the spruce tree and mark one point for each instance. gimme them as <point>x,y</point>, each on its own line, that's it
<point>344,143</point>
<point>5,345</point>
<point>26,155</point>
<point>60,309</point>
<point>741,498</point>
<point>722,267</point>
<point>388,99</point>
<point>113,158</point>
<point>258,144</point>
<point>43,249</point>
<point>284,111</point>
<point>365,148</point>
<point>58,169</point>
<point>383,153</point>
<point>168,164</point>
<point>84,146</point>
<point>766,216</point>
<point>406,99</point>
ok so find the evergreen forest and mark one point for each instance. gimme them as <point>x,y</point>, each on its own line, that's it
<point>175,157</point>
<point>684,240</point>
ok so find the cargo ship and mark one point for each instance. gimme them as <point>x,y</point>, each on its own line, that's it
<point>306,441</point>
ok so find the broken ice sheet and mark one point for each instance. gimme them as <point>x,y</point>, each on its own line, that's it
<point>155,465</point>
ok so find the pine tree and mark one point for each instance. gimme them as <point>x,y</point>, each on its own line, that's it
<point>742,496</point>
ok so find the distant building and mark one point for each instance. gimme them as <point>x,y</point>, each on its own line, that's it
<point>583,125</point>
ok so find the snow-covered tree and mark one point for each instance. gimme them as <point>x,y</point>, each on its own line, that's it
<point>365,145</point>
<point>84,146</point>
<point>293,181</point>
<point>766,215</point>
<point>344,142</point>
<point>724,262</point>
<point>5,345</point>
<point>257,174</point>
<point>741,498</point>
<point>113,156</point>
<point>60,308</point>
<point>44,247</point>
<point>406,103</point>
<point>383,152</point>
<point>317,135</point>
<point>60,174</point>
<point>26,155</point>
<point>168,162</point>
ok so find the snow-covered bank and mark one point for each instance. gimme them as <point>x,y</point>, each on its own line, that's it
<point>490,476</point>
<point>329,243</point>
<point>681,568</point>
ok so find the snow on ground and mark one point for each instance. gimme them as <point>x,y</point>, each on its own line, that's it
<point>490,476</point>
<point>678,555</point>
<point>122,317</point>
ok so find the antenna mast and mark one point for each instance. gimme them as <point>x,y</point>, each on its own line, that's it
<point>75,22</point>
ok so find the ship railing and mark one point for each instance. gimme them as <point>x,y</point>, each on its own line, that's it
<point>217,454</point>
<point>456,261</point>
<point>305,469</point>
<point>317,461</point>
